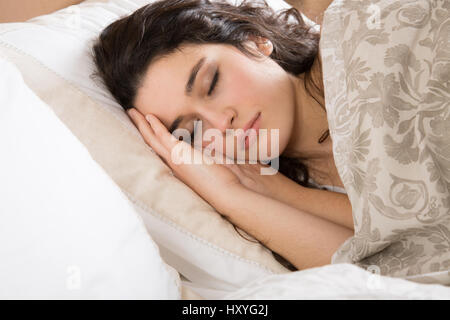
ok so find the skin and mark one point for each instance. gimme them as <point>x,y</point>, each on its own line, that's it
<point>274,222</point>
<point>272,208</point>
<point>245,87</point>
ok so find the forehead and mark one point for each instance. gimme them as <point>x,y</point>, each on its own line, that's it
<point>162,89</point>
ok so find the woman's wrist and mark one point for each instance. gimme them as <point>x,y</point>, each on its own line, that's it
<point>282,189</point>
<point>228,198</point>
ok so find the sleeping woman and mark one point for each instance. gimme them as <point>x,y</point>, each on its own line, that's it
<point>179,64</point>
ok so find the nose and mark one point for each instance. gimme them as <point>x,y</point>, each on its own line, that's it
<point>220,119</point>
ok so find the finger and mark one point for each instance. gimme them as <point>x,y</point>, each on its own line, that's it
<point>216,154</point>
<point>166,138</point>
<point>146,131</point>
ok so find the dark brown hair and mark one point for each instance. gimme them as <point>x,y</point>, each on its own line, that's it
<point>129,45</point>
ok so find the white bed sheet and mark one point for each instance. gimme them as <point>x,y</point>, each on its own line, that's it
<point>338,281</point>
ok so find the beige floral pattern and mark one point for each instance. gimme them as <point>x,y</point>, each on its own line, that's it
<point>386,67</point>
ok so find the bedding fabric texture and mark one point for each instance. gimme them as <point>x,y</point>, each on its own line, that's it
<point>66,230</point>
<point>386,71</point>
<point>53,53</point>
<point>338,281</point>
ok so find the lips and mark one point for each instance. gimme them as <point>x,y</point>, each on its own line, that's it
<point>251,122</point>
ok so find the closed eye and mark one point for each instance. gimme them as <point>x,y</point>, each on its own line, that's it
<point>211,90</point>
<point>214,82</point>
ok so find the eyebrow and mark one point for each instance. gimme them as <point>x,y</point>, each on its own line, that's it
<point>188,90</point>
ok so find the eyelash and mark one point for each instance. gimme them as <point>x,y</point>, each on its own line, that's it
<point>214,82</point>
<point>211,90</point>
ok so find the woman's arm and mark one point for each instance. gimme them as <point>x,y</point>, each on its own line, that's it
<point>303,239</point>
<point>332,206</point>
<point>313,9</point>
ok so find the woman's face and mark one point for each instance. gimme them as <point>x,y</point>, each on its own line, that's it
<point>228,91</point>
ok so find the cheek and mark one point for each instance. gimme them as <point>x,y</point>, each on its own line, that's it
<point>245,80</point>
<point>267,89</point>
<point>239,89</point>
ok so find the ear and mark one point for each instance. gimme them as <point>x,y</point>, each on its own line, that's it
<point>261,44</point>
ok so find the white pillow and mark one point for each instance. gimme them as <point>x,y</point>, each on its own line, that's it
<point>192,237</point>
<point>66,230</point>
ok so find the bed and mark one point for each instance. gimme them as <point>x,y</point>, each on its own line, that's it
<point>90,209</point>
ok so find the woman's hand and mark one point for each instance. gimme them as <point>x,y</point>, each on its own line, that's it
<point>250,176</point>
<point>211,181</point>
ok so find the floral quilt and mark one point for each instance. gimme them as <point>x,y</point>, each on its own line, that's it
<point>386,67</point>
